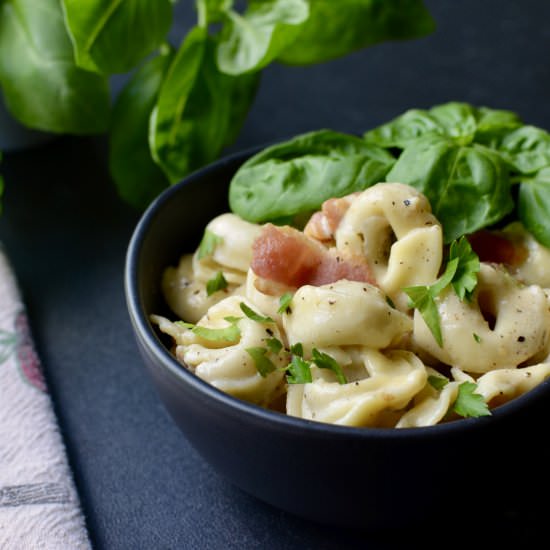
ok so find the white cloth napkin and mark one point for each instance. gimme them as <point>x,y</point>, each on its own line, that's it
<point>39,506</point>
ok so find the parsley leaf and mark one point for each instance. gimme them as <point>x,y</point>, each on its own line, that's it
<point>264,365</point>
<point>251,314</point>
<point>325,361</point>
<point>183,324</point>
<point>274,345</point>
<point>477,337</point>
<point>465,278</point>
<point>469,403</point>
<point>215,284</point>
<point>231,333</point>
<point>299,371</point>
<point>284,302</point>
<point>422,299</point>
<point>297,349</point>
<point>208,244</point>
<point>460,272</point>
<point>437,382</point>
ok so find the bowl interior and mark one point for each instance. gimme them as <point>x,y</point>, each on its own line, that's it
<point>174,224</point>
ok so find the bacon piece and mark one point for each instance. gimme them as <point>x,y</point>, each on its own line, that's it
<point>323,224</point>
<point>287,256</point>
<point>496,248</point>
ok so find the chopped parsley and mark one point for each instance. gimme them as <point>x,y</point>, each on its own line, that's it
<point>437,382</point>
<point>460,272</point>
<point>325,361</point>
<point>208,244</point>
<point>477,338</point>
<point>231,333</point>
<point>264,365</point>
<point>215,284</point>
<point>274,345</point>
<point>284,302</point>
<point>251,314</point>
<point>468,403</point>
<point>297,349</point>
<point>299,371</point>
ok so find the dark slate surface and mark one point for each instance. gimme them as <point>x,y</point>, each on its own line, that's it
<point>141,484</point>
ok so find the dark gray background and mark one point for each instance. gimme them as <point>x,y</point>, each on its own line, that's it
<point>141,484</point>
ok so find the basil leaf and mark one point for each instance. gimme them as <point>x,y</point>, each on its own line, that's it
<point>300,174</point>
<point>212,11</point>
<point>138,179</point>
<point>263,364</point>
<point>299,371</point>
<point>208,244</point>
<point>492,124</point>
<point>526,149</point>
<point>42,86</point>
<point>534,205</point>
<point>199,110</point>
<point>215,284</point>
<point>404,130</point>
<point>325,361</point>
<point>468,403</point>
<point>251,41</point>
<point>251,314</point>
<point>335,28</point>
<point>468,186</point>
<point>110,36</point>
<point>456,120</point>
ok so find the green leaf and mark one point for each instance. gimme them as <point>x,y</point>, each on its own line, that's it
<point>251,314</point>
<point>184,324</point>
<point>437,382</point>
<point>274,345</point>
<point>325,361</point>
<point>446,278</point>
<point>112,36</point>
<point>212,11</point>
<point>468,186</point>
<point>477,338</point>
<point>138,179</point>
<point>464,279</point>
<point>251,41</point>
<point>264,365</point>
<point>336,28</point>
<point>534,206</point>
<point>468,403</point>
<point>460,121</point>
<point>297,349</point>
<point>42,86</point>
<point>230,334</point>
<point>208,244</point>
<point>526,149</point>
<point>299,371</point>
<point>284,302</point>
<point>300,174</point>
<point>422,299</point>
<point>215,284</point>
<point>199,110</point>
<point>460,272</point>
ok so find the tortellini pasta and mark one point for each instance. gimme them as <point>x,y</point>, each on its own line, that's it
<point>347,345</point>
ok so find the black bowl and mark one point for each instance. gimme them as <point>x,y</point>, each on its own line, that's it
<point>360,477</point>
